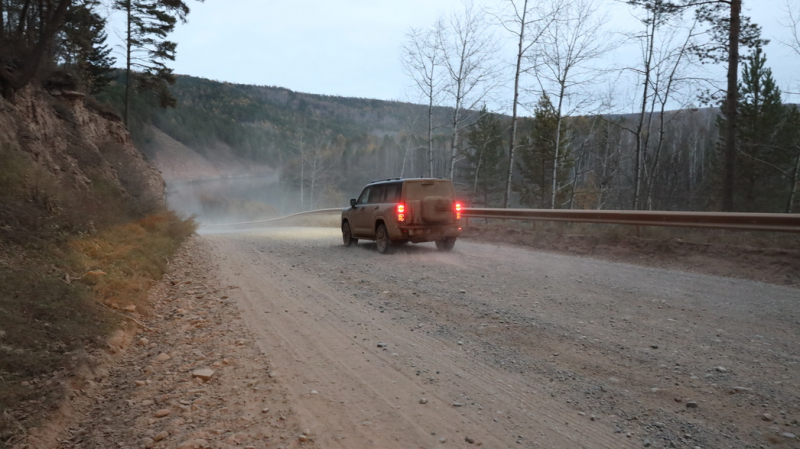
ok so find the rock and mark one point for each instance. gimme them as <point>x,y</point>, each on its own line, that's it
<point>204,374</point>
<point>766,417</point>
<point>469,440</point>
<point>457,404</point>
<point>691,404</point>
<point>462,291</point>
<point>197,443</point>
<point>314,392</point>
<point>736,390</point>
<point>143,341</point>
<point>721,369</point>
<point>303,438</point>
<point>139,383</point>
<point>162,413</point>
<point>147,402</point>
<point>788,435</point>
<point>442,440</point>
<point>646,443</point>
<point>162,357</point>
<point>654,346</point>
<point>460,342</point>
<point>423,401</point>
<point>160,435</point>
<point>147,443</point>
<point>381,345</point>
<point>264,410</point>
<point>306,431</point>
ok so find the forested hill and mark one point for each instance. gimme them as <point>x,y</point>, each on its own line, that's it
<point>325,148</point>
<point>266,124</point>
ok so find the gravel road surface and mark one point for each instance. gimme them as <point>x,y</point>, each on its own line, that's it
<point>503,346</point>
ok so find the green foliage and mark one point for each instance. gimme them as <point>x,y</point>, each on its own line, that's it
<point>82,46</point>
<point>768,137</point>
<point>536,157</point>
<point>149,22</point>
<point>486,159</point>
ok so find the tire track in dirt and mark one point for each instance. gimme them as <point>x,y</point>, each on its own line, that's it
<point>316,346</point>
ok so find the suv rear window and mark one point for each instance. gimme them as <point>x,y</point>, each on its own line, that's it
<point>429,187</point>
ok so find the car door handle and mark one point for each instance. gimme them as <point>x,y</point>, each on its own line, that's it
<point>376,207</point>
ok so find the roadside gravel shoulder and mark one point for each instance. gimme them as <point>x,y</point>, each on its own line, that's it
<point>192,379</point>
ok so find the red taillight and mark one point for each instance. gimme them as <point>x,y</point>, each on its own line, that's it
<point>401,213</point>
<point>401,208</point>
<point>458,211</point>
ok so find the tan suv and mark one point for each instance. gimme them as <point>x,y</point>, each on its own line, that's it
<point>396,211</point>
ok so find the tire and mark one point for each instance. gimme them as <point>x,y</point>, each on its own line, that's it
<point>382,239</point>
<point>446,244</point>
<point>347,236</point>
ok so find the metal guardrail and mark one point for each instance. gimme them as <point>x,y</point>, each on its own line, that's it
<point>707,220</point>
<point>271,221</point>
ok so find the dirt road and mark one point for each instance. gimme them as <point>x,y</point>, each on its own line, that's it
<point>311,344</point>
<point>502,346</point>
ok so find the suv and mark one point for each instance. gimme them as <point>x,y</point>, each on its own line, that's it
<point>396,211</point>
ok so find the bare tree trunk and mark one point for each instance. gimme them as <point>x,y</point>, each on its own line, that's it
<point>475,184</point>
<point>731,106</point>
<point>454,142</point>
<point>640,126</point>
<point>128,47</point>
<point>558,145</point>
<point>790,205</point>
<point>430,133</point>
<point>512,142</point>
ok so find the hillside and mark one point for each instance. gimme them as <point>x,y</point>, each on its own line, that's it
<point>323,149</point>
<point>83,231</point>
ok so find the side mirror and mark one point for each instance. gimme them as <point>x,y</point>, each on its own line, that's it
<point>352,202</point>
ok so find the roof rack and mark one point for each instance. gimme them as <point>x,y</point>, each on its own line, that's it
<point>382,180</point>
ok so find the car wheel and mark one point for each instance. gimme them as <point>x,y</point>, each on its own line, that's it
<point>446,244</point>
<point>347,236</point>
<point>382,239</point>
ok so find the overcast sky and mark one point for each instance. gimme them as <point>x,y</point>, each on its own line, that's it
<point>351,47</point>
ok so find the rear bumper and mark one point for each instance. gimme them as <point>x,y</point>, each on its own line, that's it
<point>426,233</point>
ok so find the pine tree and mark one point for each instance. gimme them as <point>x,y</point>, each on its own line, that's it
<point>537,152</point>
<point>147,49</point>
<point>484,157</point>
<point>83,46</point>
<point>767,135</point>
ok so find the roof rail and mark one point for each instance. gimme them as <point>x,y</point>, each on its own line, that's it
<point>382,180</point>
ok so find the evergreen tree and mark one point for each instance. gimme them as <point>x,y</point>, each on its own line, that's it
<point>484,157</point>
<point>147,49</point>
<point>767,135</point>
<point>537,153</point>
<point>83,48</point>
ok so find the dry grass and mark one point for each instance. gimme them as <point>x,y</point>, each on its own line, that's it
<point>122,262</point>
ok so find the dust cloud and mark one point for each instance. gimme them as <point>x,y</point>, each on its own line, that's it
<point>234,199</point>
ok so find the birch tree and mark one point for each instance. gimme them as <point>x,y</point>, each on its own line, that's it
<point>422,61</point>
<point>562,64</point>
<point>526,21</point>
<point>468,49</point>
